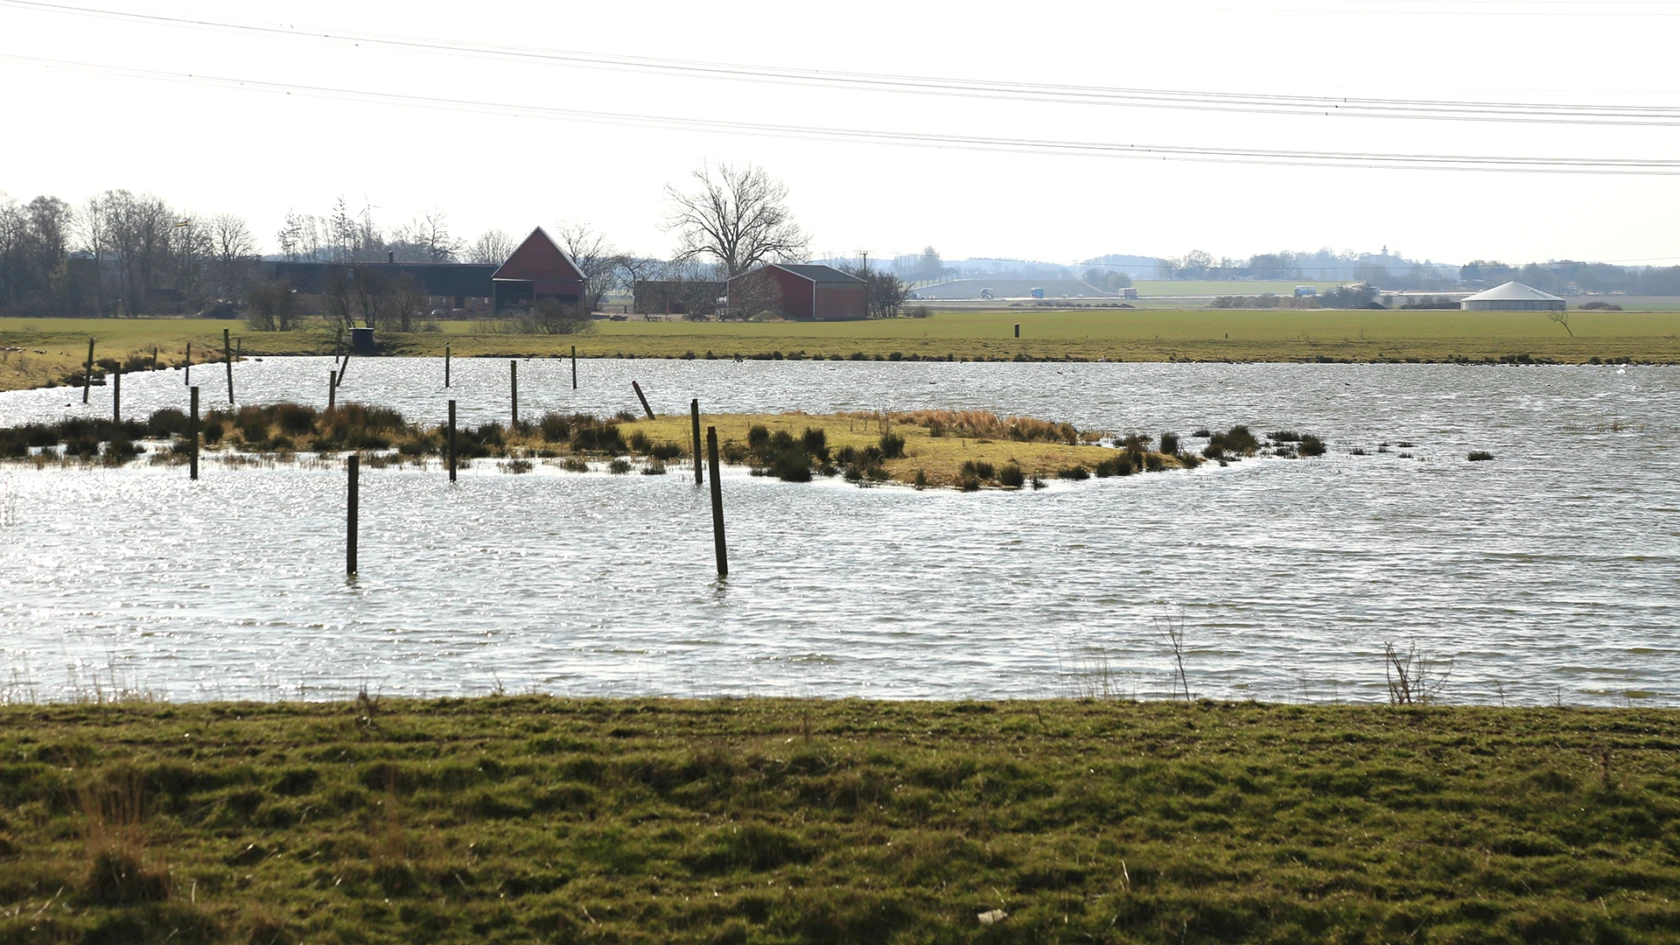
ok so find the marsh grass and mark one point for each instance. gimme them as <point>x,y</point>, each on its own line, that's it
<point>671,821</point>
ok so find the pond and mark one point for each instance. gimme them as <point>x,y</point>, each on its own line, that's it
<point>1545,575</point>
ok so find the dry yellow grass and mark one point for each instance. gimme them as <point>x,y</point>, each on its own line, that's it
<point>938,458</point>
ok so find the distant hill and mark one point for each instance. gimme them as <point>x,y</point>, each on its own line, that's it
<point>1012,289</point>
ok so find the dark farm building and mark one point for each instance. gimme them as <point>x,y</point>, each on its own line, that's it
<point>536,271</point>
<point>817,293</point>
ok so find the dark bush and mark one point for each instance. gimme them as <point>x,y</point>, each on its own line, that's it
<point>815,442</point>
<point>1237,440</point>
<point>892,446</point>
<point>166,422</point>
<point>1011,476</point>
<point>758,438</point>
<point>1285,436</point>
<point>618,467</point>
<point>639,442</point>
<point>295,419</point>
<point>1073,472</point>
<point>118,452</point>
<point>599,438</point>
<point>781,441</point>
<point>83,445</point>
<point>1311,446</point>
<point>664,452</point>
<point>1476,456</point>
<point>792,466</point>
<point>1169,444</point>
<point>555,427</point>
<point>212,433</point>
<point>980,470</point>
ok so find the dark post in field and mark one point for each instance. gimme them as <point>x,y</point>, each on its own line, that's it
<point>192,434</point>
<point>452,441</point>
<point>355,465</point>
<point>154,357</point>
<point>694,412</point>
<point>116,395</point>
<point>189,364</point>
<point>332,390</point>
<point>574,367</point>
<point>643,398</point>
<point>446,365</point>
<point>513,383</point>
<point>87,375</point>
<point>227,357</point>
<point>717,503</point>
<point>1017,329</point>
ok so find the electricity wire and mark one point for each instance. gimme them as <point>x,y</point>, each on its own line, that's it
<point>1411,109</point>
<point>1262,156</point>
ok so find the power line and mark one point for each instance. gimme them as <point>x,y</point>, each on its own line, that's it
<point>1417,109</point>
<point>1259,156</point>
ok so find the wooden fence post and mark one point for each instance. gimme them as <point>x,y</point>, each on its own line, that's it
<point>227,357</point>
<point>116,395</point>
<point>1017,329</point>
<point>643,398</point>
<point>452,441</point>
<point>332,391</point>
<point>717,504</point>
<point>355,465</point>
<point>189,364</point>
<point>513,382</point>
<point>445,365</point>
<point>574,367</point>
<point>343,366</point>
<point>192,432</point>
<point>87,374</point>
<point>694,412</point>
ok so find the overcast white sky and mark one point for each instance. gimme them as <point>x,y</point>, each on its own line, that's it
<point>74,133</point>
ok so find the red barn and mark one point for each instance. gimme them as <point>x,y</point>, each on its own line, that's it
<point>820,293</point>
<point>538,270</point>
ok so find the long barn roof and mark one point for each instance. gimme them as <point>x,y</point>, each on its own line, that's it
<point>1514,292</point>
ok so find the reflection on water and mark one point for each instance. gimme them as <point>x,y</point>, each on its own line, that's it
<point>1546,574</point>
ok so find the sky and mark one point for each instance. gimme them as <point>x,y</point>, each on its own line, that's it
<point>74,131</point>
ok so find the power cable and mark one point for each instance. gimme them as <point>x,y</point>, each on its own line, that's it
<point>1420,109</point>
<point>1260,156</point>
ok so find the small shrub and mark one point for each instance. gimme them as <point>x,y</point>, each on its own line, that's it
<point>166,422</point>
<point>295,419</point>
<point>665,452</point>
<point>920,481</point>
<point>1011,476</point>
<point>517,466</point>
<point>1285,436</point>
<point>639,442</point>
<point>619,467</point>
<point>1073,472</point>
<point>969,483</point>
<point>625,416</point>
<point>574,464</point>
<point>1311,446</point>
<point>980,470</point>
<point>655,468</point>
<point>213,433</point>
<point>758,438</point>
<point>1478,456</point>
<point>555,428</point>
<point>1202,433</point>
<point>892,446</point>
<point>1169,444</point>
<point>815,442</point>
<point>1154,462</point>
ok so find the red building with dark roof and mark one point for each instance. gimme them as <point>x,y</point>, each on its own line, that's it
<point>818,293</point>
<point>537,270</point>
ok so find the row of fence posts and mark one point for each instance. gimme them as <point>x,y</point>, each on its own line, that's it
<point>353,463</point>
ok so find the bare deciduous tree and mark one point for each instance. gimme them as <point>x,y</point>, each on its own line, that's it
<point>233,254</point>
<point>738,217</point>
<point>492,248</point>
<point>430,237</point>
<point>594,255</point>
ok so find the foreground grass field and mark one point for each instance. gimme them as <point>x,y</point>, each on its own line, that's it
<point>53,348</point>
<point>539,819</point>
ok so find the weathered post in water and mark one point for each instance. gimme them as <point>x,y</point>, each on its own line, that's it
<point>694,413</point>
<point>87,374</point>
<point>513,382</point>
<point>332,391</point>
<point>192,433</point>
<point>227,357</point>
<point>643,398</point>
<point>452,441</point>
<point>717,503</point>
<point>154,357</point>
<point>342,366</point>
<point>355,465</point>
<point>116,395</point>
<point>574,367</point>
<point>189,364</point>
<point>445,365</point>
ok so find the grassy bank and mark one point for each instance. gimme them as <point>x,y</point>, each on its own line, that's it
<point>53,348</point>
<point>538,819</point>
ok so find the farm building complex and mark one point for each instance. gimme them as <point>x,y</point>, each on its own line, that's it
<point>1513,297</point>
<point>537,271</point>
<point>819,293</point>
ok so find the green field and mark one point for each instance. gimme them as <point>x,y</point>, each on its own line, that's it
<point>1088,334</point>
<point>777,821</point>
